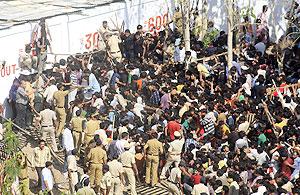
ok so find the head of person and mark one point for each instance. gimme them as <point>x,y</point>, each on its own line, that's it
<point>127,33</point>
<point>177,135</point>
<point>98,142</point>
<point>104,24</point>
<point>86,182</point>
<point>139,28</point>
<point>105,168</point>
<point>265,8</point>
<point>42,144</point>
<point>47,105</point>
<point>124,135</point>
<point>27,48</point>
<point>42,21</point>
<point>60,86</point>
<point>74,152</point>
<point>48,164</point>
<point>96,137</point>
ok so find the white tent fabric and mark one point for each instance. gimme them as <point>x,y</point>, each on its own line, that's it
<point>21,11</point>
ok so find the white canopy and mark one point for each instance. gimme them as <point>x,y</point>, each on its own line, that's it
<point>16,12</point>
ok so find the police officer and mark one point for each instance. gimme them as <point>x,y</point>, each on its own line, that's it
<point>91,126</point>
<point>174,153</point>
<point>130,170</point>
<point>152,150</point>
<point>77,125</point>
<point>174,180</point>
<point>106,181</point>
<point>96,158</point>
<point>59,98</point>
<point>116,170</point>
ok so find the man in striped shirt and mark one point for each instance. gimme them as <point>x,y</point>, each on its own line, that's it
<point>207,123</point>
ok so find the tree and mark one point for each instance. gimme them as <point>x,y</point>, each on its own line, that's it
<point>185,10</point>
<point>11,169</point>
<point>229,4</point>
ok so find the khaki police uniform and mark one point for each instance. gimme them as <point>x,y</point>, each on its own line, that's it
<point>174,180</point>
<point>96,158</point>
<point>77,127</point>
<point>106,181</point>
<point>113,43</point>
<point>91,127</point>
<point>128,159</point>
<point>116,169</point>
<point>59,97</point>
<point>152,149</point>
<point>174,155</point>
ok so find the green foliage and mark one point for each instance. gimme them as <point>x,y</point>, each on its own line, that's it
<point>248,11</point>
<point>11,167</point>
<point>210,37</point>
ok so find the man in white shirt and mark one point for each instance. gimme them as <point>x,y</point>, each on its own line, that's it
<point>47,178</point>
<point>67,140</point>
<point>72,170</point>
<point>68,145</point>
<point>120,143</point>
<point>102,134</point>
<point>49,91</point>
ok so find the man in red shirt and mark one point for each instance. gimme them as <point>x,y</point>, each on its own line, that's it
<point>172,126</point>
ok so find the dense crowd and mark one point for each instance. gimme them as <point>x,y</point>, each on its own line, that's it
<point>142,109</point>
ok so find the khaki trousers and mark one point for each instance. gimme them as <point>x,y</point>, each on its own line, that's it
<point>129,173</point>
<point>174,190</point>
<point>95,173</point>
<point>51,132</point>
<point>61,115</point>
<point>170,160</point>
<point>115,187</point>
<point>77,139</point>
<point>151,169</point>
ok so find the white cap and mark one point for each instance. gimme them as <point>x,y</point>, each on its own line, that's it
<point>244,67</point>
<point>177,134</point>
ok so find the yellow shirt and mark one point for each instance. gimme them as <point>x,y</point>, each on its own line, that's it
<point>154,147</point>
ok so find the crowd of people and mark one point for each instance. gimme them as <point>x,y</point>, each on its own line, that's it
<point>141,109</point>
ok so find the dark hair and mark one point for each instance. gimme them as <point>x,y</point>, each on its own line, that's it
<point>124,134</point>
<point>48,164</point>
<point>78,112</point>
<point>41,140</point>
